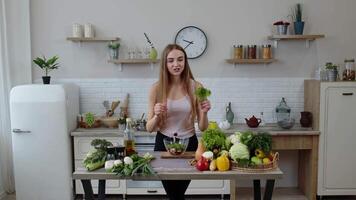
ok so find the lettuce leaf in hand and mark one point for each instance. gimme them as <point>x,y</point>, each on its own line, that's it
<point>202,93</point>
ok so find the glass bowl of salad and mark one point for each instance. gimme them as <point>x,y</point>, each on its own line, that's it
<point>176,146</point>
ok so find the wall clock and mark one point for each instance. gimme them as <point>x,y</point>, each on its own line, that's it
<point>193,40</point>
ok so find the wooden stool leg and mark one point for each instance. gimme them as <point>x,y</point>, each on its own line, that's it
<point>88,190</point>
<point>257,189</point>
<point>101,194</point>
<point>268,190</point>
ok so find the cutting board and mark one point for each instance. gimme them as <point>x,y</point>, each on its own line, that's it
<point>187,155</point>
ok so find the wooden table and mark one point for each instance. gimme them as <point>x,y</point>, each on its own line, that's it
<point>179,169</point>
<point>307,145</point>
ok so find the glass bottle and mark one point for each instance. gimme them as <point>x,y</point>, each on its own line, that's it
<point>129,139</point>
<point>251,51</point>
<point>263,122</point>
<point>238,52</point>
<point>283,111</point>
<point>349,72</point>
<point>229,114</point>
<point>266,51</point>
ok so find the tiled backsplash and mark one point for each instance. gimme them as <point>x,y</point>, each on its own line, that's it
<point>249,96</point>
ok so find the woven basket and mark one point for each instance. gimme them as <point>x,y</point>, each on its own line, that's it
<point>258,168</point>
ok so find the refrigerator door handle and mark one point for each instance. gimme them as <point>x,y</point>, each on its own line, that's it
<point>16,130</point>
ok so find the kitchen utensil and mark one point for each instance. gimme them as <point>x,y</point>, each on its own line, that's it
<point>253,122</point>
<point>110,122</point>
<point>106,105</point>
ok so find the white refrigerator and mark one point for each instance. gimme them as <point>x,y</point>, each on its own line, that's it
<point>42,117</point>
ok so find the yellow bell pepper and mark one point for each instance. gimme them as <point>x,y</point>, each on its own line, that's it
<point>223,163</point>
<point>259,153</point>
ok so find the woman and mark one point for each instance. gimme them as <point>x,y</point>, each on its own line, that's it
<point>173,108</point>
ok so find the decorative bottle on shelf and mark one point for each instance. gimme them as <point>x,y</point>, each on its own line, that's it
<point>229,114</point>
<point>153,54</point>
<point>129,138</point>
<point>263,122</point>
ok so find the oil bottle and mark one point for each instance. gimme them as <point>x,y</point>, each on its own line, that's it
<point>129,138</point>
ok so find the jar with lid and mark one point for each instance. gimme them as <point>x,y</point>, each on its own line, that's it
<point>266,51</point>
<point>283,111</point>
<point>238,52</point>
<point>251,51</point>
<point>349,72</point>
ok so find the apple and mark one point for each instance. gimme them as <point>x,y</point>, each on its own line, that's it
<point>256,160</point>
<point>266,161</point>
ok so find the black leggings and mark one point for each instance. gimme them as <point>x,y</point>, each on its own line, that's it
<point>175,189</point>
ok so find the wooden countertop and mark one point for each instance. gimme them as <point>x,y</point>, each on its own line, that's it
<point>273,129</point>
<point>172,169</point>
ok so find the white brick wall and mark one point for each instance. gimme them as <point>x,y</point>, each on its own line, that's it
<point>249,96</point>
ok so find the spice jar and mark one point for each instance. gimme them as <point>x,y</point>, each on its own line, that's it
<point>266,51</point>
<point>251,51</point>
<point>238,52</point>
<point>349,72</point>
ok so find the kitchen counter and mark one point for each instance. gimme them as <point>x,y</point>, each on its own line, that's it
<point>273,129</point>
<point>303,140</point>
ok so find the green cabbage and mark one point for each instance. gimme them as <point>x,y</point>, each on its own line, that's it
<point>239,151</point>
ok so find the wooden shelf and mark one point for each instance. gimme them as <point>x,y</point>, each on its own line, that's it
<point>134,61</point>
<point>108,39</point>
<point>120,62</point>
<point>295,37</point>
<point>306,38</point>
<point>250,61</point>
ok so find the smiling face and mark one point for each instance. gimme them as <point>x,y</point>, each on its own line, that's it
<point>175,62</point>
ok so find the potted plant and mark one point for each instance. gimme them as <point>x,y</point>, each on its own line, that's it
<point>153,52</point>
<point>297,18</point>
<point>282,27</point>
<point>332,71</point>
<point>114,50</point>
<point>47,65</point>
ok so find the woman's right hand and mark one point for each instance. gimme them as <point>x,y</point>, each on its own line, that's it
<point>159,109</point>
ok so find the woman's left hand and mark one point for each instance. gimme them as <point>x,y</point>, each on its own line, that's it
<point>205,106</point>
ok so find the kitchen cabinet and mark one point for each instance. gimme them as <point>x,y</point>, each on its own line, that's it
<point>144,143</point>
<point>81,148</point>
<point>334,114</point>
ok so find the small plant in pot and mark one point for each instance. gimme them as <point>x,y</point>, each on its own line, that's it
<point>114,50</point>
<point>297,12</point>
<point>282,27</point>
<point>332,71</point>
<point>47,65</point>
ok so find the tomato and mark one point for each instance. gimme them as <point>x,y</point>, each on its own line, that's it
<point>202,164</point>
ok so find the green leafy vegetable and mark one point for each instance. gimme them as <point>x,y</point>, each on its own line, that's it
<point>141,165</point>
<point>100,144</point>
<point>96,158</point>
<point>89,119</point>
<point>239,151</point>
<point>202,93</point>
<point>261,141</point>
<point>214,139</point>
<point>246,137</point>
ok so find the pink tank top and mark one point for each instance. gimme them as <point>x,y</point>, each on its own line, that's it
<point>178,118</point>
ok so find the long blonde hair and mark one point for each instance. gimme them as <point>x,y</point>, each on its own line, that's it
<point>164,81</point>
